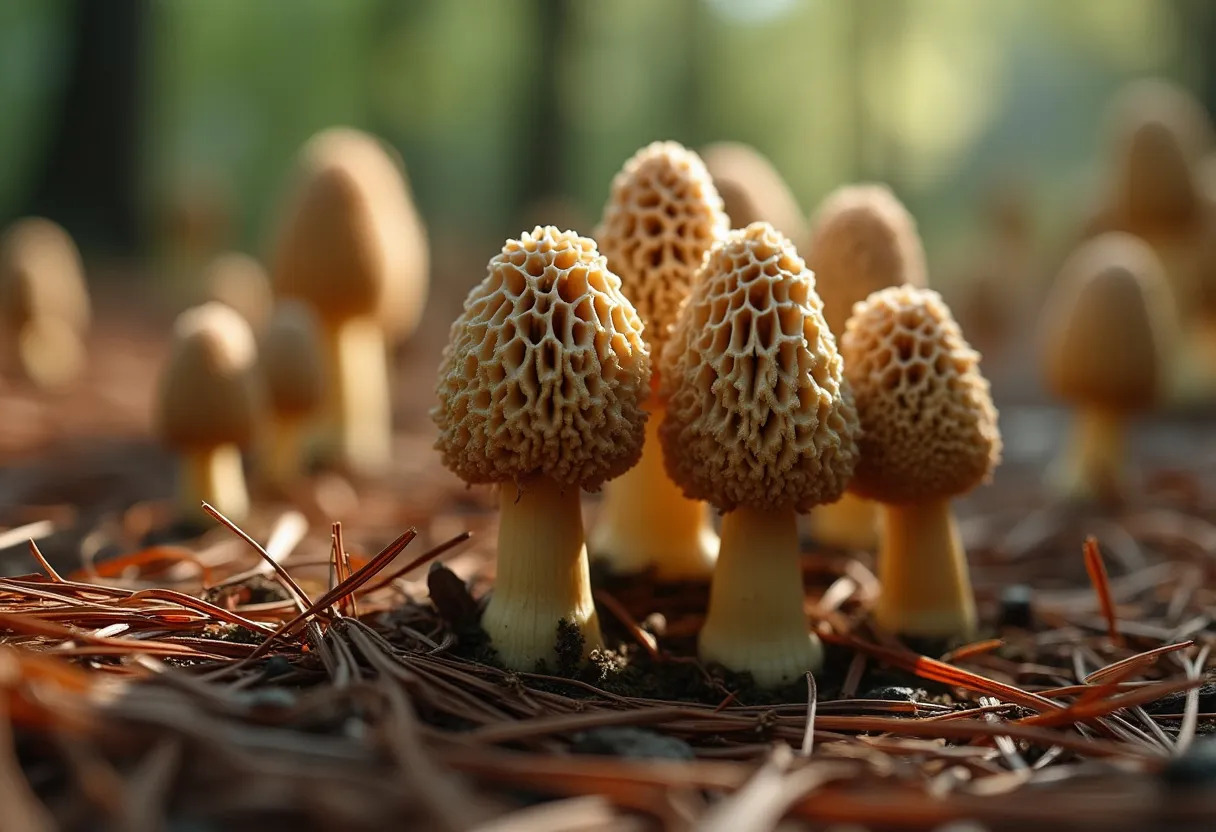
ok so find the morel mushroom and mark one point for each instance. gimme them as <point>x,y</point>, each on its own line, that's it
<point>929,434</point>
<point>541,390</point>
<point>661,218</point>
<point>759,423</point>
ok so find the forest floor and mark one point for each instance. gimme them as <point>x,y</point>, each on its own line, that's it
<point>150,681</point>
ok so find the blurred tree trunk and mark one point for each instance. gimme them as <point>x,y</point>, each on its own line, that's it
<point>89,179</point>
<point>543,131</point>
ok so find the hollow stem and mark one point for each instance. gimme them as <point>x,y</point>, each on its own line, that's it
<point>543,577</point>
<point>358,418</point>
<point>755,621</point>
<point>926,588</point>
<point>214,475</point>
<point>646,521</point>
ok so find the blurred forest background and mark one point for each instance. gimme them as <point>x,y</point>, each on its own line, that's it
<point>132,121</point>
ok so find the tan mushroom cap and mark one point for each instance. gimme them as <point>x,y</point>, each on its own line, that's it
<point>333,248</point>
<point>238,280</point>
<point>1163,102</point>
<point>207,395</point>
<point>862,239</point>
<point>546,370</point>
<point>752,190</point>
<point>1156,186</point>
<point>758,414</point>
<point>662,216</point>
<point>291,360</point>
<point>1105,325</point>
<point>929,430</point>
<point>41,275</point>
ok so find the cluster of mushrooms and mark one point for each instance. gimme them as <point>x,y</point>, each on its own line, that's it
<point>683,365</point>
<point>686,359</point>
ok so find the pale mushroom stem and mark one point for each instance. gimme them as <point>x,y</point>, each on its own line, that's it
<point>849,523</point>
<point>284,461</point>
<point>216,476</point>
<point>543,578</point>
<point>756,621</point>
<point>1097,454</point>
<point>358,423</point>
<point>926,588</point>
<point>646,521</point>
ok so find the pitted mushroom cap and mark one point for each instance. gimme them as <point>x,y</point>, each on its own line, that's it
<point>757,412</point>
<point>751,188</point>
<point>41,276</point>
<point>929,430</point>
<point>293,368</point>
<point>238,280</point>
<point>334,248</point>
<point>862,239</point>
<point>546,370</point>
<point>662,215</point>
<point>207,395</point>
<point>1105,325</point>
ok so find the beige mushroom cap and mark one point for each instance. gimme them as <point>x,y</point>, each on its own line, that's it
<point>1104,327</point>
<point>752,190</point>
<point>334,248</point>
<point>41,275</point>
<point>862,239</point>
<point>546,370</point>
<point>1163,102</point>
<point>757,412</point>
<point>291,361</point>
<point>929,430</point>
<point>238,280</point>
<point>662,216</point>
<point>207,395</point>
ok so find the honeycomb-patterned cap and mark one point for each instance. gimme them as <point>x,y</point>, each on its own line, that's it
<point>752,190</point>
<point>207,393</point>
<point>662,215</point>
<point>757,412</point>
<point>862,240</point>
<point>1105,324</point>
<point>41,275</point>
<point>290,358</point>
<point>334,248</point>
<point>929,429</point>
<point>546,370</point>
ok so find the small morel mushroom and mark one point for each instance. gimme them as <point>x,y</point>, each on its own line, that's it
<point>205,407</point>
<point>929,433</point>
<point>862,239</point>
<point>1103,353</point>
<point>541,390</point>
<point>335,251</point>
<point>751,188</point>
<point>239,281</point>
<point>759,423</point>
<point>44,302</point>
<point>661,218</point>
<point>293,374</point>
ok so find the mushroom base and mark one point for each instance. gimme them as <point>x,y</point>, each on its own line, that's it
<point>849,523</point>
<point>543,578</point>
<point>756,621</point>
<point>358,419</point>
<point>1094,468</point>
<point>215,476</point>
<point>926,588</point>
<point>646,522</point>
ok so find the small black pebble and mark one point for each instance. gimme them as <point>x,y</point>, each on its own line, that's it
<point>1197,767</point>
<point>631,743</point>
<point>894,693</point>
<point>1017,607</point>
<point>276,666</point>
